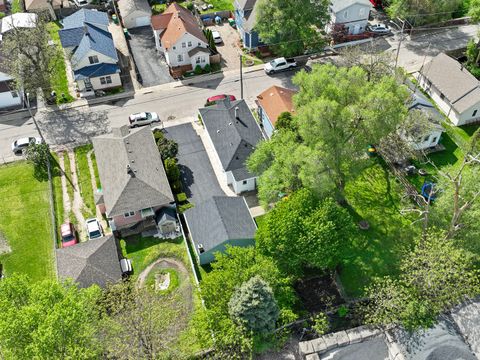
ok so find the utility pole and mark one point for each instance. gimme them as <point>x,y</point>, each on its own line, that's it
<point>241,77</point>
<point>399,43</point>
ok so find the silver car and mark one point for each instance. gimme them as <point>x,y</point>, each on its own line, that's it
<point>143,118</point>
<point>21,144</point>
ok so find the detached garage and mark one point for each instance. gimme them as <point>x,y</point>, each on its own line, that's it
<point>135,13</point>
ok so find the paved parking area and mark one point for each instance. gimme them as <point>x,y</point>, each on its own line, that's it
<point>198,178</point>
<point>229,48</point>
<point>150,65</point>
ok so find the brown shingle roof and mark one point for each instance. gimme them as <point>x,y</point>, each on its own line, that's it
<point>276,100</point>
<point>175,22</point>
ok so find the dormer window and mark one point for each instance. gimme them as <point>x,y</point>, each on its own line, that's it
<point>93,59</point>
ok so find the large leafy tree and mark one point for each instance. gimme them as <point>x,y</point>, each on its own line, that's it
<point>435,276</point>
<point>420,12</point>
<point>30,58</point>
<point>292,26</point>
<point>339,112</point>
<point>253,306</point>
<point>302,231</point>
<point>230,271</point>
<point>138,323</point>
<point>47,320</point>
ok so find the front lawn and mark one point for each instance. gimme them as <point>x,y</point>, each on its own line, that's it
<point>59,79</point>
<point>25,222</point>
<point>375,197</point>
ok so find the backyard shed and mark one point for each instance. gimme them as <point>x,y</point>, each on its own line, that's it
<point>135,13</point>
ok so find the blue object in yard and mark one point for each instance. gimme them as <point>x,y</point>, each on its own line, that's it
<point>218,20</point>
<point>428,191</point>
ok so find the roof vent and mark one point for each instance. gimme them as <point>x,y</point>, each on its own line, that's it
<point>218,131</point>
<point>236,112</point>
<point>129,169</point>
<point>201,250</point>
<point>229,123</point>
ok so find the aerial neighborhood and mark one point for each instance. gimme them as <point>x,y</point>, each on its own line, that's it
<point>240,179</point>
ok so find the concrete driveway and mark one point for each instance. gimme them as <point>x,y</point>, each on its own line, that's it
<point>198,178</point>
<point>229,47</point>
<point>151,66</point>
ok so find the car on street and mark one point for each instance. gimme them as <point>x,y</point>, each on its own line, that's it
<point>67,231</point>
<point>380,29</point>
<point>217,39</point>
<point>94,229</point>
<point>21,144</point>
<point>279,64</point>
<point>143,118</point>
<point>213,99</point>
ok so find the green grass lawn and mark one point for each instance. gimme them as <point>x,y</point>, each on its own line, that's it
<point>219,5</point>
<point>84,179</point>
<point>375,197</point>
<point>59,79</point>
<point>17,6</point>
<point>25,222</point>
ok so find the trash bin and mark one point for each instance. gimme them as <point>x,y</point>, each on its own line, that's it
<point>115,19</point>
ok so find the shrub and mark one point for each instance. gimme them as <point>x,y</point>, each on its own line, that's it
<point>198,70</point>
<point>158,134</point>
<point>189,6</point>
<point>2,15</point>
<point>182,208</point>
<point>172,170</point>
<point>181,197</point>
<point>176,186</point>
<point>207,68</point>
<point>320,324</point>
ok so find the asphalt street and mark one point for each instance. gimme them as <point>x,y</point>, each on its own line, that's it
<point>177,102</point>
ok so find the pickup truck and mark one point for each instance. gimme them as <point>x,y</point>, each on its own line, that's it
<point>279,64</point>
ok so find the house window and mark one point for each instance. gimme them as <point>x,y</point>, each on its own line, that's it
<point>434,140</point>
<point>129,214</point>
<point>105,80</point>
<point>184,45</point>
<point>474,113</point>
<point>426,138</point>
<point>244,182</point>
<point>199,44</point>
<point>197,61</point>
<point>189,44</point>
<point>15,95</point>
<point>93,59</point>
<point>203,59</point>
<point>179,57</point>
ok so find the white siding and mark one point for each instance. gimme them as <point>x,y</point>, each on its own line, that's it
<point>243,185</point>
<point>136,19</point>
<point>456,118</point>
<point>176,50</point>
<point>116,81</point>
<point>84,62</point>
<point>7,100</point>
<point>425,143</point>
<point>354,17</point>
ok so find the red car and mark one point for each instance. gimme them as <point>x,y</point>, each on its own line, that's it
<point>216,98</point>
<point>67,231</point>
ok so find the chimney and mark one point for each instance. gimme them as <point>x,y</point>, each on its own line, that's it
<point>85,30</point>
<point>236,112</point>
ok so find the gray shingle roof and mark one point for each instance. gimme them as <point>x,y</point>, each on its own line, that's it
<point>234,138</point>
<point>246,4</point>
<point>145,185</point>
<point>219,219</point>
<point>92,262</point>
<point>78,18</point>
<point>458,85</point>
<point>127,7</point>
<point>338,5</point>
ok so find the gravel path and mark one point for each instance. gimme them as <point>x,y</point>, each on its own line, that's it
<point>162,263</point>
<point>77,203</point>
<point>67,205</point>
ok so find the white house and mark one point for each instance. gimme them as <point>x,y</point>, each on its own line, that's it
<point>135,13</point>
<point>234,134</point>
<point>94,60</point>
<point>179,37</point>
<point>9,96</point>
<point>453,88</point>
<point>421,138</point>
<point>352,14</point>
